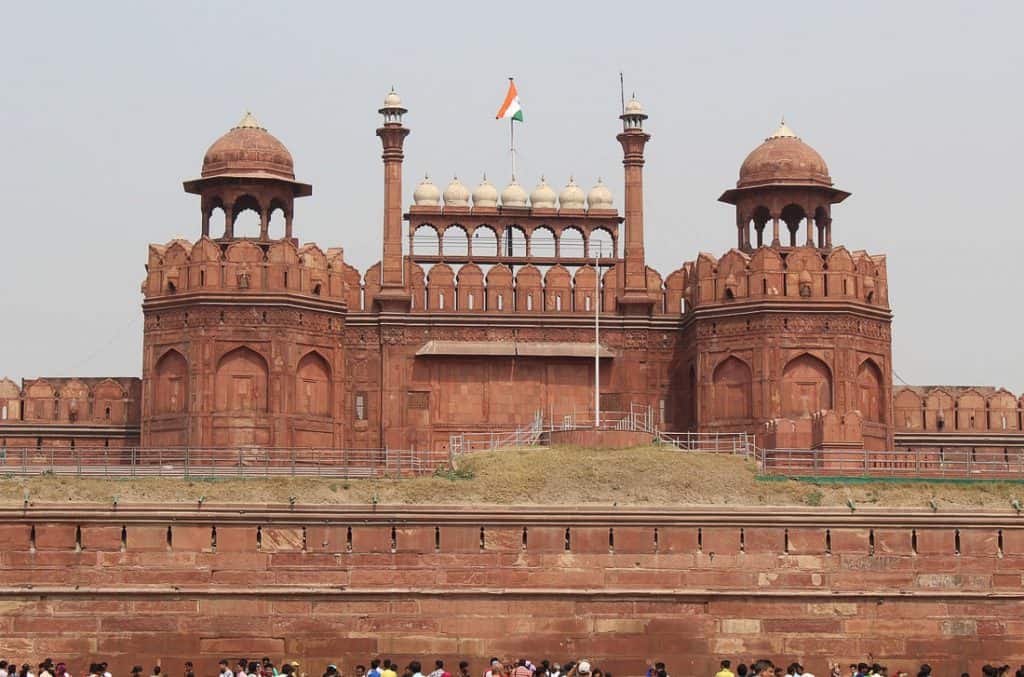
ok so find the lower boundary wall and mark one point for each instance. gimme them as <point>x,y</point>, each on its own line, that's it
<point>153,584</point>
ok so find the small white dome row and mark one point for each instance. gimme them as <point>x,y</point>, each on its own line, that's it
<point>486,195</point>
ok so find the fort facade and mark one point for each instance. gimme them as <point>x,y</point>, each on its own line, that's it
<point>481,314</point>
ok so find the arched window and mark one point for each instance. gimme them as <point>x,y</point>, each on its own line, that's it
<point>542,242</point>
<point>570,243</point>
<point>601,244</point>
<point>246,218</point>
<point>276,227</point>
<point>218,222</point>
<point>806,387</point>
<point>485,241</point>
<point>514,242</point>
<point>425,241</point>
<point>455,242</point>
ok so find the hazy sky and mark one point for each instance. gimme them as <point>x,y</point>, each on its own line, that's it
<point>918,108</point>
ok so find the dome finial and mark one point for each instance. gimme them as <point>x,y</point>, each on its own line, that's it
<point>248,121</point>
<point>783,132</point>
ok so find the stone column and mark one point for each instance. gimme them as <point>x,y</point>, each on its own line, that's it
<point>634,299</point>
<point>394,293</point>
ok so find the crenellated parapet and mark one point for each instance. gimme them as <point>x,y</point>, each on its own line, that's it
<point>957,409</point>
<point>71,400</point>
<point>797,274</point>
<point>244,267</point>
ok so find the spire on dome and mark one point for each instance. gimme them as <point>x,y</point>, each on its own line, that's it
<point>783,131</point>
<point>249,121</point>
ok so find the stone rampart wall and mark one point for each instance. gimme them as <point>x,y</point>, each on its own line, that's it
<point>135,586</point>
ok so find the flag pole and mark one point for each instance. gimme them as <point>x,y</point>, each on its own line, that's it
<point>512,144</point>
<point>597,337</point>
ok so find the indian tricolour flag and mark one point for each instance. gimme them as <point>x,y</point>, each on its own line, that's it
<point>510,109</point>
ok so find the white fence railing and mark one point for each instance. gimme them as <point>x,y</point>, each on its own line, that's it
<point>214,463</point>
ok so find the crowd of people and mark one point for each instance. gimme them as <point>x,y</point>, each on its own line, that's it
<point>385,667</point>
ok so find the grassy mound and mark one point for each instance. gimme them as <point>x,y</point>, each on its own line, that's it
<point>545,476</point>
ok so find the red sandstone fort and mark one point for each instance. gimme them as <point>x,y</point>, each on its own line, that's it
<point>481,314</point>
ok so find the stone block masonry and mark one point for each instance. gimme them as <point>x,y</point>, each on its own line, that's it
<point>150,584</point>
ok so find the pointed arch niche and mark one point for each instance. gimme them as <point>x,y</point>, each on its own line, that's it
<point>313,385</point>
<point>171,376</point>
<point>869,392</point>
<point>732,384</point>
<point>806,387</point>
<point>241,382</point>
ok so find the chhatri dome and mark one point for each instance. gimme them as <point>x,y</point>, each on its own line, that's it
<point>599,197</point>
<point>543,195</point>
<point>248,150</point>
<point>485,194</point>
<point>513,195</point>
<point>783,159</point>
<point>426,194</point>
<point>456,194</point>
<point>572,196</point>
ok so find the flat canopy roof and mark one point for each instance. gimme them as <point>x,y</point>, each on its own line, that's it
<point>511,349</point>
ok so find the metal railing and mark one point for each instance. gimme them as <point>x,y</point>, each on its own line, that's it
<point>639,418</point>
<point>923,463</point>
<point>247,462</point>
<point>710,442</point>
<point>529,435</point>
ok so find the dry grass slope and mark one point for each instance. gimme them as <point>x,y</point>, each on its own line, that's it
<point>555,476</point>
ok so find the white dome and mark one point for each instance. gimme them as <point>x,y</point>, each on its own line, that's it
<point>572,196</point>
<point>599,197</point>
<point>543,195</point>
<point>485,195</point>
<point>633,107</point>
<point>513,195</point>
<point>456,194</point>
<point>392,100</point>
<point>426,194</point>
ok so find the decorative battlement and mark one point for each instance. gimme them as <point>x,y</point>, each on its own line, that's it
<point>245,267</point>
<point>77,400</point>
<point>801,273</point>
<point>957,409</point>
